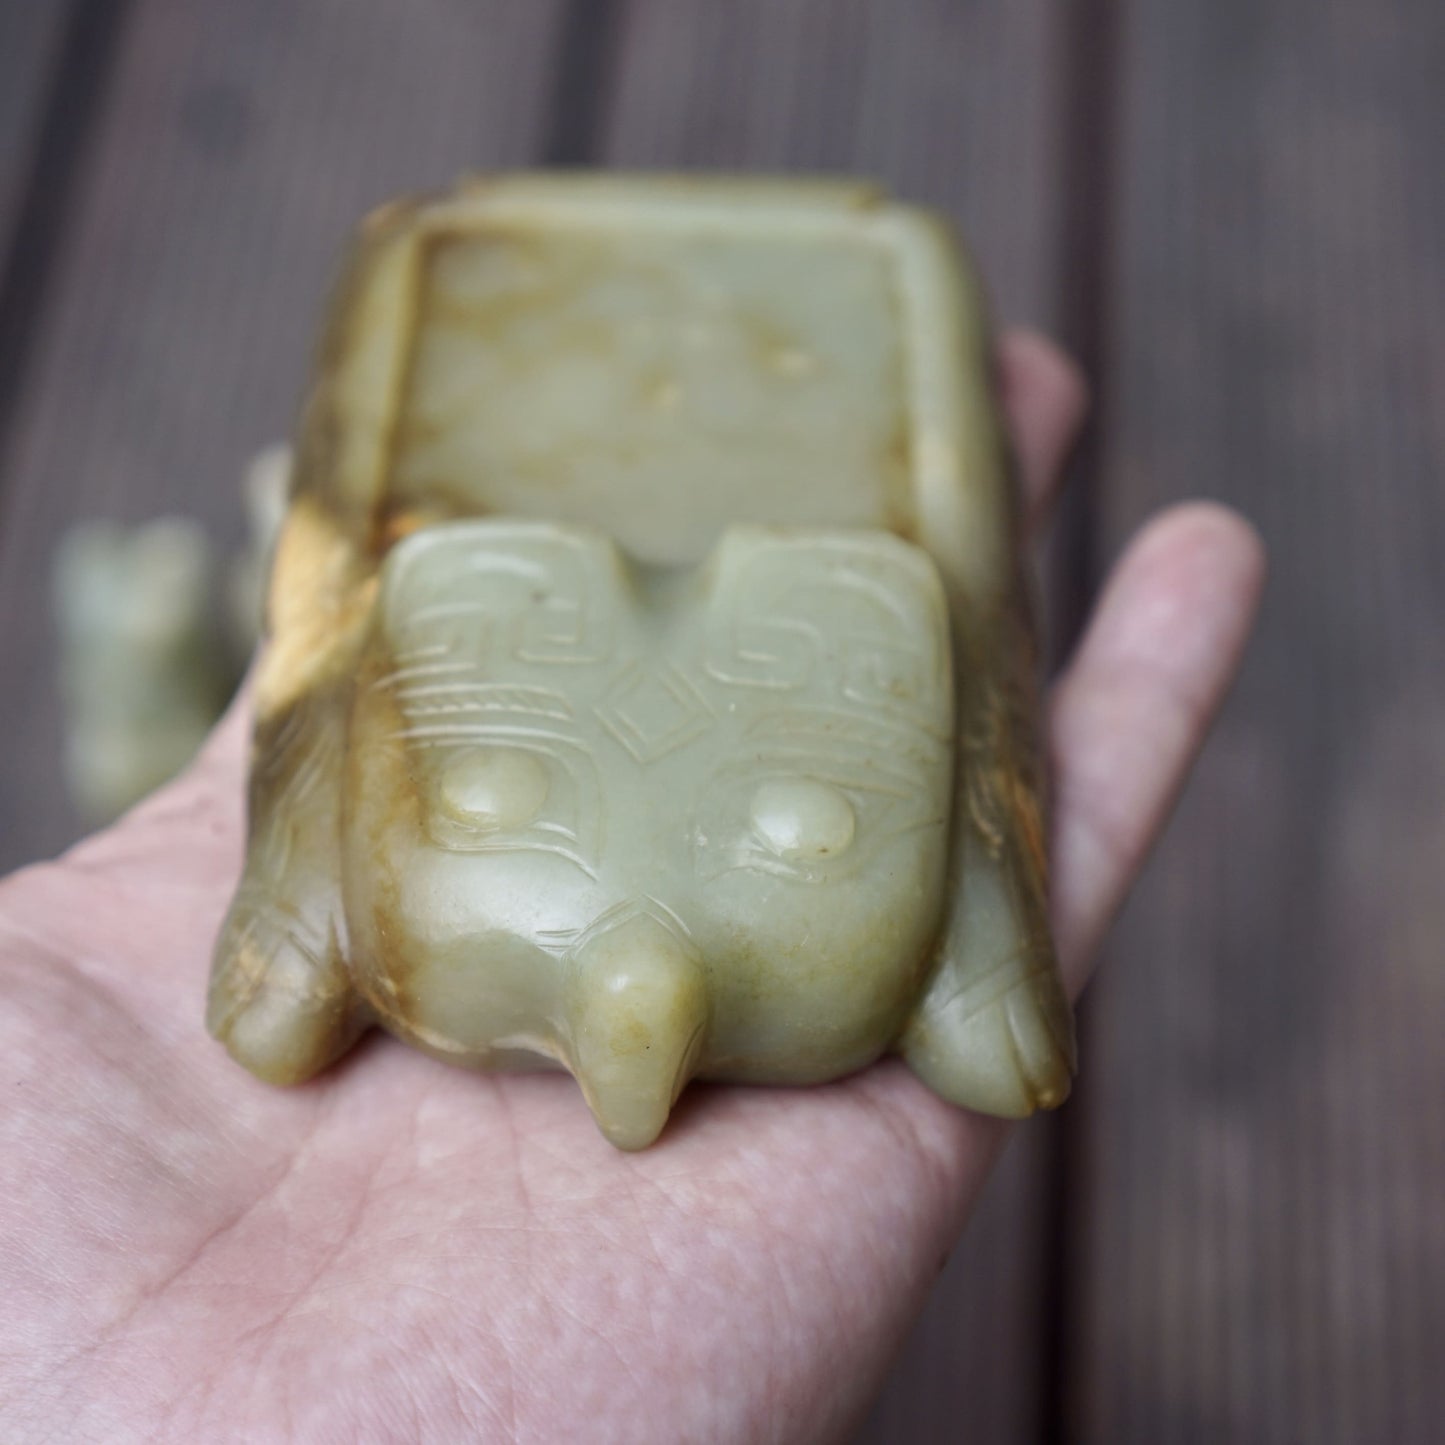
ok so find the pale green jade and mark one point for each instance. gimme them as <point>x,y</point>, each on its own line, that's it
<point>649,689</point>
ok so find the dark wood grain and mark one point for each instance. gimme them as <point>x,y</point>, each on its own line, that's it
<point>54,60</point>
<point>954,106</point>
<point>951,105</point>
<point>238,145</point>
<point>1263,1249</point>
<point>30,38</point>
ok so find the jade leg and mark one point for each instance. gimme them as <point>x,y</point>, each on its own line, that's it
<point>281,997</point>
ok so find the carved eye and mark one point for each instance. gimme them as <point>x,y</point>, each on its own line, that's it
<point>799,818</point>
<point>493,788</point>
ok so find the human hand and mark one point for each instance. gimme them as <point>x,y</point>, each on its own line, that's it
<point>401,1250</point>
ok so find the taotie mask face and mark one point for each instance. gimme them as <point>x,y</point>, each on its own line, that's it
<point>706,810</point>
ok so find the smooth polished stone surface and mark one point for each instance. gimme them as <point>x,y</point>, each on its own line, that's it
<point>802,817</point>
<point>649,688</point>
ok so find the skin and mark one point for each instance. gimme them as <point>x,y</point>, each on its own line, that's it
<point>403,1251</point>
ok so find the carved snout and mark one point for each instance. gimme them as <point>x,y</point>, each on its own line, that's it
<point>638,1013</point>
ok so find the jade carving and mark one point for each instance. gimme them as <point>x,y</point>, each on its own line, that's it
<point>649,689</point>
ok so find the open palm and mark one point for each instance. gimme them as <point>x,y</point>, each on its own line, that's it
<point>404,1251</point>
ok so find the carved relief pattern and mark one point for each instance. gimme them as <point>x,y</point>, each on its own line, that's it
<point>843,644</point>
<point>823,658</point>
<point>785,608</point>
<point>653,709</point>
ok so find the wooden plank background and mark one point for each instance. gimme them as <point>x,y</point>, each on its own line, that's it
<point>1232,208</point>
<point>1261,1245</point>
<point>30,38</point>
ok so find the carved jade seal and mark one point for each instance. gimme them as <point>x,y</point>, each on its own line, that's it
<point>649,689</point>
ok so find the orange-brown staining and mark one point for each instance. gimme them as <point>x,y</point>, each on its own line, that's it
<point>391,217</point>
<point>774,350</point>
<point>661,390</point>
<point>1028,826</point>
<point>318,606</point>
<point>494,280</point>
<point>397,525</point>
<point>983,810</point>
<point>900,518</point>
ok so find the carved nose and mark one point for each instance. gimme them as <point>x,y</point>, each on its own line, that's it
<point>638,1013</point>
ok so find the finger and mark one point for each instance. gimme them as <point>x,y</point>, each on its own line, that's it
<point>1044,400</point>
<point>1131,712</point>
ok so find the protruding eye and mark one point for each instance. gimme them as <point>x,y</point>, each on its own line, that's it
<point>799,818</point>
<point>494,787</point>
